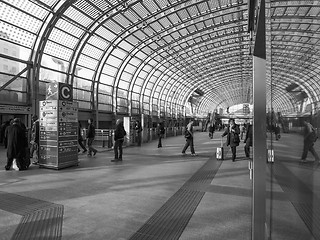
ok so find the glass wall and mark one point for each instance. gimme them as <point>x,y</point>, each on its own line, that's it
<point>292,120</point>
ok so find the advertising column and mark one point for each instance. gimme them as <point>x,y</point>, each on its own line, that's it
<point>58,127</point>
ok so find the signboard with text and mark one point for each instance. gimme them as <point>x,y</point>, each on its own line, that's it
<point>58,116</point>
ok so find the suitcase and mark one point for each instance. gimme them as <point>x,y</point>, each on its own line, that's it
<point>219,152</point>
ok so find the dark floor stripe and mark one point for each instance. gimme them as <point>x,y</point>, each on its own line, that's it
<point>172,218</point>
<point>306,203</point>
<point>21,205</point>
<point>41,220</point>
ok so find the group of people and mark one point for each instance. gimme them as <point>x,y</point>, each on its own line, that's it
<point>13,135</point>
<point>90,136</point>
<point>233,139</point>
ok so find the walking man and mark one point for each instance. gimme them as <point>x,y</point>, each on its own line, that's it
<point>310,136</point>
<point>189,139</point>
<point>248,140</point>
<point>91,133</point>
<point>160,133</point>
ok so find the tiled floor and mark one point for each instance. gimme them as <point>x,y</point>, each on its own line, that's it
<point>105,200</point>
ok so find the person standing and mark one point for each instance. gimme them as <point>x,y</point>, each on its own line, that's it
<point>138,129</point>
<point>91,133</point>
<point>310,136</point>
<point>3,130</point>
<point>160,133</point>
<point>189,139</point>
<point>6,133</point>
<point>243,130</point>
<point>248,139</point>
<point>35,139</point>
<point>233,140</point>
<point>17,142</point>
<point>211,130</point>
<point>119,135</point>
<point>80,139</point>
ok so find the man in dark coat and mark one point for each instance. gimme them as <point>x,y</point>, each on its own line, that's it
<point>310,137</point>
<point>248,140</point>
<point>233,139</point>
<point>138,129</point>
<point>119,135</point>
<point>91,133</point>
<point>160,132</point>
<point>3,130</point>
<point>6,133</point>
<point>17,143</point>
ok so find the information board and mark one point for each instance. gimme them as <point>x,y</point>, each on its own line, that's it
<point>58,127</point>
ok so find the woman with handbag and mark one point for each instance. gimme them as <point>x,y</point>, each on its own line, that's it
<point>233,139</point>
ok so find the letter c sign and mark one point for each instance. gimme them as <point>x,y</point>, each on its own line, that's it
<point>65,91</point>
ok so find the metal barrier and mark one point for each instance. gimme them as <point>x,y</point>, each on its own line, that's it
<point>103,137</point>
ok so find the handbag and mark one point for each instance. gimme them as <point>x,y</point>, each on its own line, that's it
<point>236,138</point>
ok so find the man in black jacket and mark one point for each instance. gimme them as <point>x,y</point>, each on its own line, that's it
<point>119,135</point>
<point>248,140</point>
<point>160,132</point>
<point>91,133</point>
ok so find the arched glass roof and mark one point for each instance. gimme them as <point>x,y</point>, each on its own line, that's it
<point>155,56</point>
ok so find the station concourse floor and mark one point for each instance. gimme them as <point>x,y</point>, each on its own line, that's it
<point>157,193</point>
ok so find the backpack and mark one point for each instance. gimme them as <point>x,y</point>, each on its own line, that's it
<point>313,135</point>
<point>187,134</point>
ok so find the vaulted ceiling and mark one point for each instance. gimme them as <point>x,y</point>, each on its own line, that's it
<point>156,55</point>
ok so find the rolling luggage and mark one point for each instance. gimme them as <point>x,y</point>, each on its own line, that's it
<point>219,152</point>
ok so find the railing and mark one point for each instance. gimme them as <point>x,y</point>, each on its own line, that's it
<point>104,137</point>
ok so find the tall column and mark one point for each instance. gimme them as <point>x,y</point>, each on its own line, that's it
<point>259,129</point>
<point>58,127</point>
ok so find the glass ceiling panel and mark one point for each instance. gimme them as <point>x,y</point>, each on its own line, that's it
<point>17,35</point>
<point>57,50</point>
<point>18,18</point>
<point>114,26</point>
<point>122,21</point>
<point>69,27</point>
<point>92,51</point>
<point>105,79</point>
<point>105,33</point>
<point>30,7</point>
<point>78,17</point>
<point>114,61</point>
<point>101,4</point>
<point>88,62</point>
<point>98,42</point>
<point>119,53</point>
<point>63,38</point>
<point>140,9</point>
<point>88,8</point>
<point>126,46</point>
